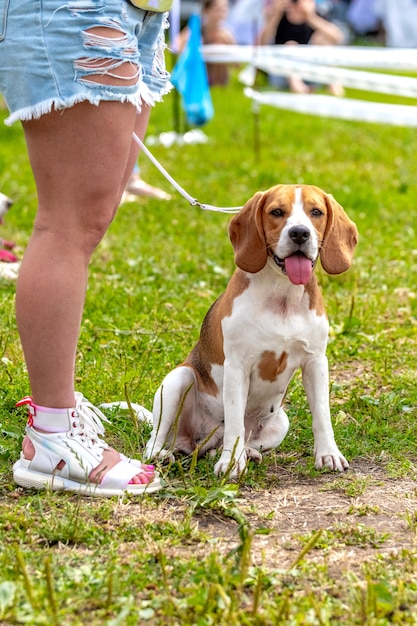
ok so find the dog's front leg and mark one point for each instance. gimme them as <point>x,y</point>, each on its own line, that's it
<point>316,385</point>
<point>235,391</point>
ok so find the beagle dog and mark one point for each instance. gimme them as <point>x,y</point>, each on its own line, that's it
<point>229,392</point>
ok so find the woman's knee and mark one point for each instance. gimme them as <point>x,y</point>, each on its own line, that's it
<point>82,227</point>
<point>90,232</point>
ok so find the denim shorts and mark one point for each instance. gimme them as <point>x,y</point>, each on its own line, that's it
<point>51,56</point>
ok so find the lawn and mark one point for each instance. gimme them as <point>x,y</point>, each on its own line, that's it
<point>286,544</point>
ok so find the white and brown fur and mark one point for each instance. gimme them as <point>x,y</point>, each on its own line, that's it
<point>230,390</point>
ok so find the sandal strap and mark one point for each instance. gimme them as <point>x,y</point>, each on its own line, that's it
<point>90,415</point>
<point>120,475</point>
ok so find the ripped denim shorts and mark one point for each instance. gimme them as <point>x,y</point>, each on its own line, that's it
<point>52,54</point>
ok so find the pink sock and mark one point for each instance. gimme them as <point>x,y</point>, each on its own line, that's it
<point>51,420</point>
<point>47,419</point>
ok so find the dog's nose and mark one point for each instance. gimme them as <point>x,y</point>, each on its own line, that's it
<point>299,234</point>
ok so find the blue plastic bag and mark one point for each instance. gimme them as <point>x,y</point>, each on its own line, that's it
<point>189,77</point>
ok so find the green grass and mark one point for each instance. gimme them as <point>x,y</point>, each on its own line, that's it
<point>66,560</point>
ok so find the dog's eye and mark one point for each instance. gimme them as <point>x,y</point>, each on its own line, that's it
<point>316,212</point>
<point>277,213</point>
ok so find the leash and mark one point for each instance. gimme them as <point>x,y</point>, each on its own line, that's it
<point>190,199</point>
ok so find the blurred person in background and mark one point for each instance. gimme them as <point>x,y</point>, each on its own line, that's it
<point>294,22</point>
<point>136,186</point>
<point>362,18</point>
<point>246,20</point>
<point>398,21</point>
<point>213,31</point>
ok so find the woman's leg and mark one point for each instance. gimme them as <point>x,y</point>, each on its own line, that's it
<point>81,159</point>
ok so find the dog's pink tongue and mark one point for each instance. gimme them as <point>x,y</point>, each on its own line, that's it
<point>298,268</point>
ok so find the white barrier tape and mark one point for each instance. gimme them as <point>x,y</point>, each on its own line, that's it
<point>367,81</point>
<point>349,56</point>
<point>341,108</point>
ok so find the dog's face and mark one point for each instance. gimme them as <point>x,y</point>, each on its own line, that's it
<point>5,204</point>
<point>292,225</point>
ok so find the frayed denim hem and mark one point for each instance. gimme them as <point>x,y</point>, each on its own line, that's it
<point>43,108</point>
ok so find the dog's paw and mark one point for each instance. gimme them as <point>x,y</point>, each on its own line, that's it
<point>334,461</point>
<point>154,452</point>
<point>231,466</point>
<point>254,455</point>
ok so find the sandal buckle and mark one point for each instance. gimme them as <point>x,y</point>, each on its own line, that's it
<point>27,401</point>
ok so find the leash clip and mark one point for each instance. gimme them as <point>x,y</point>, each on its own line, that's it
<point>195,202</point>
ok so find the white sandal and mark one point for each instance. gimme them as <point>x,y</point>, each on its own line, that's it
<point>64,461</point>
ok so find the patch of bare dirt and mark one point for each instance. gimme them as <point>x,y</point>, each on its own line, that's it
<point>364,512</point>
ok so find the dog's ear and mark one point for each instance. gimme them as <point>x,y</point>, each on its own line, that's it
<point>340,239</point>
<point>247,235</point>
